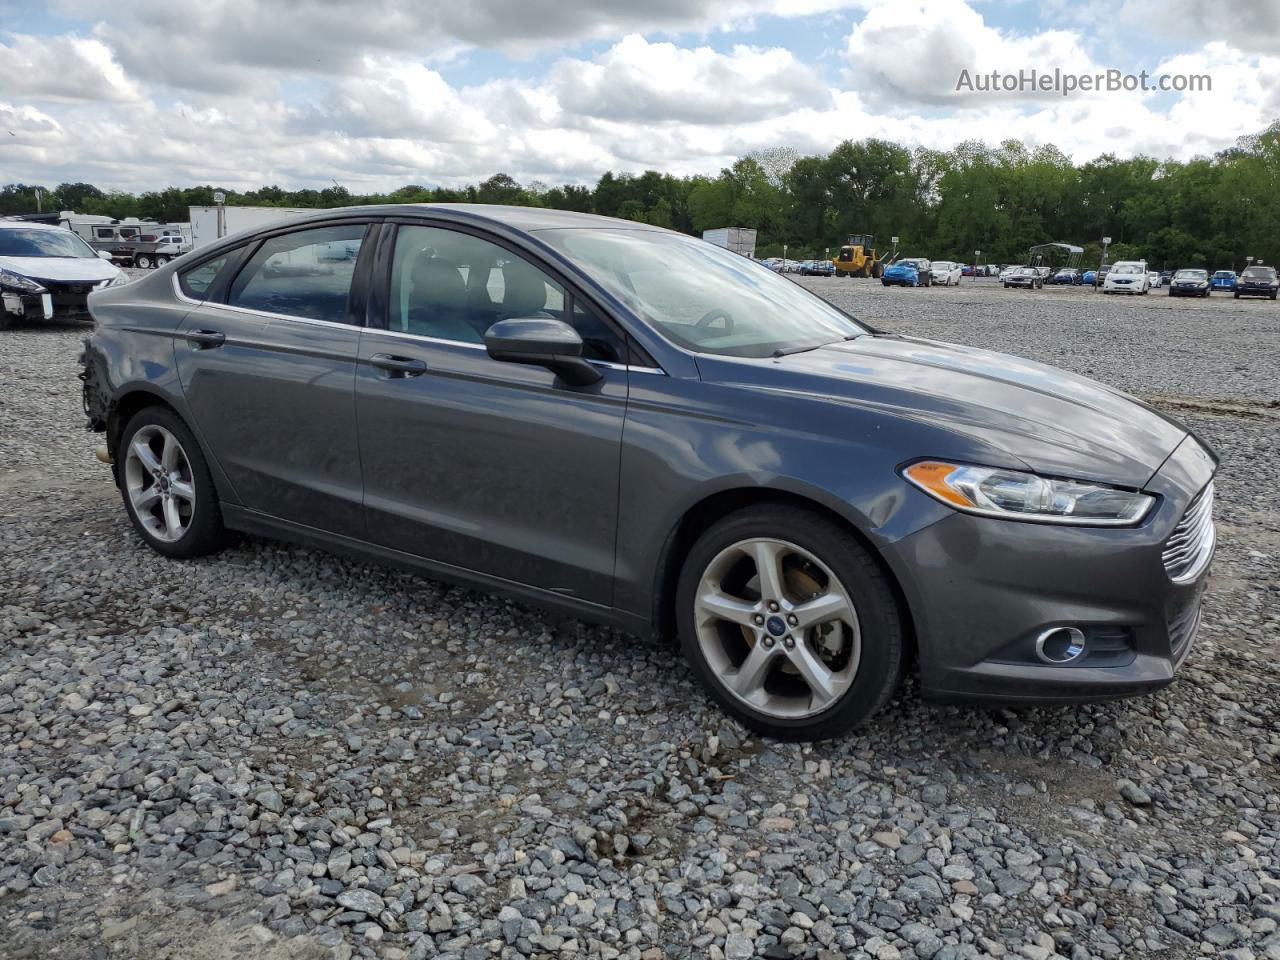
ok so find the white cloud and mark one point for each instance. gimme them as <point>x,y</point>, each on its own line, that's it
<point>662,83</point>
<point>1252,26</point>
<point>222,45</point>
<point>915,51</point>
<point>62,68</point>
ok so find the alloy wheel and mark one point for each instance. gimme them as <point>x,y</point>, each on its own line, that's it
<point>777,628</point>
<point>159,483</point>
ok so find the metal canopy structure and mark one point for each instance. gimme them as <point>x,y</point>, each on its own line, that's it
<point>1054,255</point>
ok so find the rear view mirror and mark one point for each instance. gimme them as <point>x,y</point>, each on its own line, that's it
<point>104,255</point>
<point>542,342</point>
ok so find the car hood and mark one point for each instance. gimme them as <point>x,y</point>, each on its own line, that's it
<point>60,268</point>
<point>901,268</point>
<point>1058,423</point>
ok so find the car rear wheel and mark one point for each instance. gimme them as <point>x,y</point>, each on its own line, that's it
<point>142,261</point>
<point>790,623</point>
<point>161,260</point>
<point>166,485</point>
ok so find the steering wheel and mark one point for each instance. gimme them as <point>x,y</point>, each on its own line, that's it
<point>713,315</point>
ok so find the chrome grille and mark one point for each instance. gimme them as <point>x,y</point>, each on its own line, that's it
<point>1189,547</point>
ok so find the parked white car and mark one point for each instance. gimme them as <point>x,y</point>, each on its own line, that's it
<point>47,273</point>
<point>1154,279</point>
<point>946,273</point>
<point>1127,276</point>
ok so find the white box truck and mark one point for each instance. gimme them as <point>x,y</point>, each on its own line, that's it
<point>738,239</point>
<point>204,220</point>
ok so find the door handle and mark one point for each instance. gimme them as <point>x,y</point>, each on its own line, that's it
<point>206,339</point>
<point>398,367</point>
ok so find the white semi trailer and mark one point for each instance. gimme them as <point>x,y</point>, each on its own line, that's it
<point>205,228</point>
<point>738,239</point>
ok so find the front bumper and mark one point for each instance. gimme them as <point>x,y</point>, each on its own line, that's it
<point>57,301</point>
<point>1255,291</point>
<point>982,590</point>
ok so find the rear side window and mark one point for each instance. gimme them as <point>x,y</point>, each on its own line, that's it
<point>195,283</point>
<point>302,274</point>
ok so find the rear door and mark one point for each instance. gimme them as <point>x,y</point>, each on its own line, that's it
<point>268,367</point>
<point>494,467</point>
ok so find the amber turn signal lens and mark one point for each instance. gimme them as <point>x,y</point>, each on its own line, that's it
<point>932,476</point>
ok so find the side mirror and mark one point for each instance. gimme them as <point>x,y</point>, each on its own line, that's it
<point>542,342</point>
<point>104,255</point>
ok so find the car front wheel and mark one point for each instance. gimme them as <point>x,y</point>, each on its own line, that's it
<point>166,485</point>
<point>790,623</point>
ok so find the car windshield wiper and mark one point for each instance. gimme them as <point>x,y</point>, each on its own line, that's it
<point>789,351</point>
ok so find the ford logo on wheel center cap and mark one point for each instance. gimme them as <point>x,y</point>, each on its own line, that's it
<point>776,626</point>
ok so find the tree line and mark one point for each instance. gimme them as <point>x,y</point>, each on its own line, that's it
<point>1210,212</point>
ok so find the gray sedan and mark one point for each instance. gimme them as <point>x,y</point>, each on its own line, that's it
<point>644,430</point>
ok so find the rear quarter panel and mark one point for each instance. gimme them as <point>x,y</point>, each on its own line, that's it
<point>131,351</point>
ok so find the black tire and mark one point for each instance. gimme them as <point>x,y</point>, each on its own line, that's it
<point>883,652</point>
<point>205,533</point>
<point>6,318</point>
<point>142,261</point>
<point>161,260</point>
<point>885,282</point>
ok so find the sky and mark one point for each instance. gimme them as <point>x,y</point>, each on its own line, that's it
<point>372,95</point>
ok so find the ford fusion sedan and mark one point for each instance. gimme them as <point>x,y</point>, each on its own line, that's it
<point>1189,283</point>
<point>647,431</point>
<point>47,273</point>
<point>1257,281</point>
<point>908,272</point>
<point>1127,276</point>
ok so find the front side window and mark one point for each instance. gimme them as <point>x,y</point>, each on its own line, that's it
<point>303,274</point>
<point>195,283</point>
<point>700,296</point>
<point>455,286</point>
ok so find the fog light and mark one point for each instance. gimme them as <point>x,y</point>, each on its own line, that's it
<point>1060,645</point>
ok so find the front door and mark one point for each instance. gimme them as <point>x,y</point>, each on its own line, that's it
<point>488,466</point>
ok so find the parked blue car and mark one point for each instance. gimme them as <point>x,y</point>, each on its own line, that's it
<point>908,273</point>
<point>1223,280</point>
<point>1090,277</point>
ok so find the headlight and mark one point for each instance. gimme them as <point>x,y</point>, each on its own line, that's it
<point>16,281</point>
<point>118,280</point>
<point>1014,495</point>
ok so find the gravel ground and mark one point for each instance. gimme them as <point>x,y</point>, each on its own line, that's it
<point>277,753</point>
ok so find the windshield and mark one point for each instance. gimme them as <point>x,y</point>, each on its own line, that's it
<point>43,243</point>
<point>1126,268</point>
<point>1065,272</point>
<point>1190,275</point>
<point>703,297</point>
<point>941,265</point>
<point>1025,272</point>
<point>1224,273</point>
<point>1265,272</point>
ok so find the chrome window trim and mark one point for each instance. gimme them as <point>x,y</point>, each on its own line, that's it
<point>480,346</point>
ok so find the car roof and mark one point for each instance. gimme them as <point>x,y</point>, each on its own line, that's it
<point>520,218</point>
